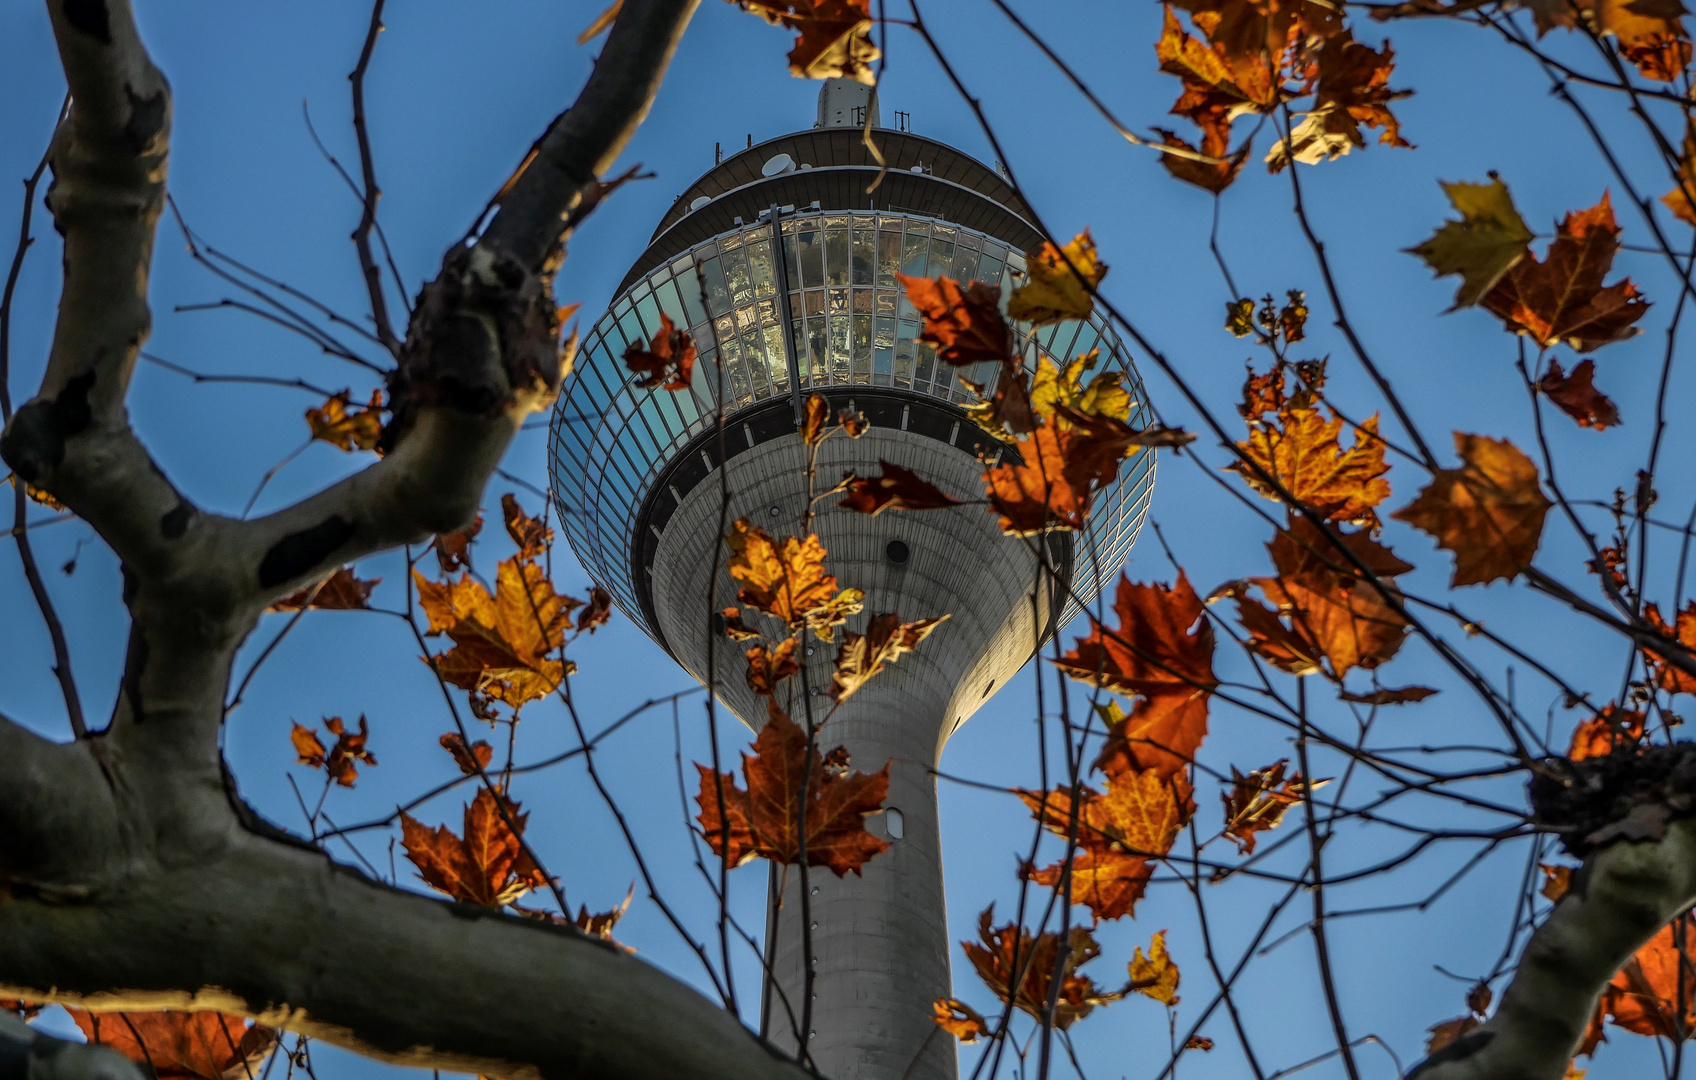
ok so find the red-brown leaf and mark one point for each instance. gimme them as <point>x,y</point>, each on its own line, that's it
<point>894,488</point>
<point>1577,396</point>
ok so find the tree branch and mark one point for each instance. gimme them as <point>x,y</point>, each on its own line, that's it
<point>1617,902</point>
<point>280,933</point>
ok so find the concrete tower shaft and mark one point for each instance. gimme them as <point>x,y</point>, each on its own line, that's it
<point>782,263</point>
<point>880,937</point>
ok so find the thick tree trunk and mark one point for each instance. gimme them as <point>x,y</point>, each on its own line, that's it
<point>131,873</point>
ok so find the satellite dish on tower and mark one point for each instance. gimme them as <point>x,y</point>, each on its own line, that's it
<point>778,165</point>
<point>700,201</point>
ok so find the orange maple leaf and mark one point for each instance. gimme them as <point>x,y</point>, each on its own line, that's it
<point>453,550</point>
<point>1007,952</point>
<point>1611,729</point>
<point>1577,396</point>
<point>1336,619</point>
<point>341,591</point>
<point>331,422</point>
<point>1353,91</point>
<point>471,758</point>
<point>965,325</point>
<point>1064,466</point>
<point>1561,299</point>
<point>1303,452</point>
<point>182,1045</point>
<point>532,535</point>
<point>1489,512</point>
<point>341,764</point>
<point>861,656</point>
<point>768,667</point>
<point>597,612</point>
<point>1162,651</point>
<point>765,819</point>
<point>1120,834</point>
<point>1256,802</point>
<point>501,643</point>
<point>486,866</point>
<point>1643,995</point>
<point>787,580</point>
<point>1667,677</point>
<point>959,1019</point>
<point>667,362</point>
<point>894,488</point>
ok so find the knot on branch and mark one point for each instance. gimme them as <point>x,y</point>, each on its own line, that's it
<point>1630,794</point>
<point>484,339</point>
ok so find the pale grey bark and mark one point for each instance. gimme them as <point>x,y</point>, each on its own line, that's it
<point>131,873</point>
<point>1621,897</point>
<point>27,1054</point>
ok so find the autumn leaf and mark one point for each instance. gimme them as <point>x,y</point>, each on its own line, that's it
<point>1666,676</point>
<point>1155,975</point>
<point>342,762</point>
<point>341,591</point>
<point>1055,392</point>
<point>833,36</point>
<point>1064,467</point>
<point>1611,729</point>
<point>1198,1042</point>
<point>1004,951</point>
<point>532,535</point>
<point>597,612</point>
<point>1681,200</point>
<point>1060,282</point>
<point>965,325</point>
<point>601,925</point>
<point>1441,1035</point>
<point>331,422</point>
<point>487,866</point>
<point>1557,880</point>
<point>894,488</point>
<point>814,417</point>
<point>1483,245</point>
<point>601,24</point>
<point>1643,995</point>
<point>1561,299</point>
<point>23,1009</point>
<point>471,758</point>
<point>768,667</point>
<point>1353,92</point>
<point>787,580</point>
<point>1489,512</point>
<point>1217,77</point>
<point>182,1045</point>
<point>1120,833</point>
<point>765,819</point>
<point>1337,620</point>
<point>453,550</point>
<point>1303,452</point>
<point>1215,175</point>
<point>1398,695</point>
<point>1162,652</point>
<point>667,362</point>
<point>1577,396</point>
<point>1256,803</point>
<point>959,1020</point>
<point>860,657</point>
<point>735,629</point>
<point>501,643</point>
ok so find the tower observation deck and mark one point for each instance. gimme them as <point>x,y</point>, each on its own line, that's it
<point>798,264</point>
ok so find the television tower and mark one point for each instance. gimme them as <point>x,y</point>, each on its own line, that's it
<point>638,475</point>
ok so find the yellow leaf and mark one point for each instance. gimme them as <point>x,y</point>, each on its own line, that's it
<point>1155,974</point>
<point>1483,245</point>
<point>1056,291</point>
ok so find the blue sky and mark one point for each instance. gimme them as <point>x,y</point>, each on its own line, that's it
<point>456,94</point>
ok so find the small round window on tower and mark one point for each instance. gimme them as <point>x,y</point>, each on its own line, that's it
<point>897,552</point>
